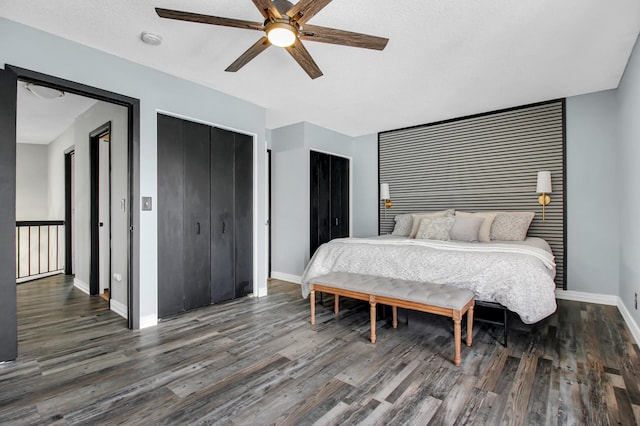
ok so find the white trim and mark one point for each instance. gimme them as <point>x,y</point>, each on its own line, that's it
<point>148,321</point>
<point>633,326</point>
<point>581,296</point>
<point>38,276</point>
<point>296,279</point>
<point>81,285</point>
<point>118,307</point>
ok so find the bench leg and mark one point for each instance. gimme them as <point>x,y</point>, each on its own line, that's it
<point>372,303</point>
<point>457,337</point>
<point>469,325</point>
<point>394,310</point>
<point>312,298</point>
<point>336,304</point>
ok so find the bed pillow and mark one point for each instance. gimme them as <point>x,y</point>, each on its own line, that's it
<point>511,226</point>
<point>484,234</point>
<point>466,228</point>
<point>417,216</point>
<point>435,228</point>
<point>403,224</point>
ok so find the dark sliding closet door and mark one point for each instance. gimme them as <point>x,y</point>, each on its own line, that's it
<point>231,215</point>
<point>329,201</point>
<point>196,215</point>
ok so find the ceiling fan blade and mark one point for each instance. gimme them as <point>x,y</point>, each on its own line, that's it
<point>345,38</point>
<point>306,9</point>
<point>302,57</point>
<point>259,47</point>
<point>208,19</point>
<point>268,9</point>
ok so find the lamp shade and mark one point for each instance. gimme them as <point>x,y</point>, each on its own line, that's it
<point>544,182</point>
<point>384,191</point>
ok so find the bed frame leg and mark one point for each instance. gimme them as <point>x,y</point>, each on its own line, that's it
<point>312,298</point>
<point>372,309</point>
<point>336,304</point>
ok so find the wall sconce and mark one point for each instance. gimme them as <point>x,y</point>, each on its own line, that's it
<point>384,195</point>
<point>543,187</point>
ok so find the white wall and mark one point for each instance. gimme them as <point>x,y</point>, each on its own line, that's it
<point>629,161</point>
<point>365,185</point>
<point>31,177</point>
<point>41,52</point>
<point>77,135</point>
<point>592,177</point>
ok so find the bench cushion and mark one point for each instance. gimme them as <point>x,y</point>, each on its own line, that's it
<point>440,295</point>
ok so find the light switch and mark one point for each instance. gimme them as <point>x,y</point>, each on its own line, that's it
<point>146,203</point>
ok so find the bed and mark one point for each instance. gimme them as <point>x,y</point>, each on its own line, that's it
<point>516,274</point>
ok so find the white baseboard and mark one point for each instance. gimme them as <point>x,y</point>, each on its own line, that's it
<point>296,279</point>
<point>633,326</point>
<point>119,308</point>
<point>581,296</point>
<point>148,321</point>
<point>81,285</point>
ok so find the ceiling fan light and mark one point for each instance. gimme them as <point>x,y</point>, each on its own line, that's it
<point>281,35</point>
<point>43,92</point>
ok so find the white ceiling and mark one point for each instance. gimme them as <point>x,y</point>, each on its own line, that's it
<point>445,58</point>
<point>40,121</point>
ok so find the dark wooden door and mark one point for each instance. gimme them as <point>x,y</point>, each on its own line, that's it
<point>329,198</point>
<point>222,215</point>
<point>197,213</point>
<point>8,303</point>
<point>339,197</point>
<point>243,214</point>
<point>170,215</point>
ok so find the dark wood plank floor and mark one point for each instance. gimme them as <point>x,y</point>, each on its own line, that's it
<point>259,361</point>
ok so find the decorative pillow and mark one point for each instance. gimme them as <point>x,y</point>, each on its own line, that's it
<point>403,225</point>
<point>466,228</point>
<point>484,234</point>
<point>435,228</point>
<point>418,216</point>
<point>511,226</point>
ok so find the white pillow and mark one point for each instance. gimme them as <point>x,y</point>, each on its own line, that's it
<point>418,216</point>
<point>403,224</point>
<point>435,228</point>
<point>466,228</point>
<point>511,226</point>
<point>484,234</point>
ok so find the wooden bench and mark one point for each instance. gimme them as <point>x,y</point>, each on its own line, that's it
<point>432,298</point>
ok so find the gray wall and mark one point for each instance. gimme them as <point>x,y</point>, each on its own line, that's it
<point>290,147</point>
<point>31,176</point>
<point>77,135</point>
<point>41,52</point>
<point>629,160</point>
<point>592,193</point>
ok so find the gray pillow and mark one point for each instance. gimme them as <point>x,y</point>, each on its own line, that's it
<point>435,228</point>
<point>511,226</point>
<point>466,228</point>
<point>403,225</point>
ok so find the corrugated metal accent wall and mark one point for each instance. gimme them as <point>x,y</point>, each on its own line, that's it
<point>487,162</point>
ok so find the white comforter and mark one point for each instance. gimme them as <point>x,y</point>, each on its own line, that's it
<point>516,275</point>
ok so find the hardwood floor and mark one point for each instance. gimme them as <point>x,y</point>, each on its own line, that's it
<point>259,361</point>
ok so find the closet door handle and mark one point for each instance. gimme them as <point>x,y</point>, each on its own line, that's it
<point>198,228</point>
<point>224,226</point>
<point>336,221</point>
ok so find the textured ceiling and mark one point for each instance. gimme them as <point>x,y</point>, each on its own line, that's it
<point>445,58</point>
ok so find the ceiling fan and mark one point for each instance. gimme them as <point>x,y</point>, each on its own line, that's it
<point>285,26</point>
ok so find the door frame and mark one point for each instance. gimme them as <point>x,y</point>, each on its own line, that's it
<point>68,210</point>
<point>94,199</point>
<point>133,135</point>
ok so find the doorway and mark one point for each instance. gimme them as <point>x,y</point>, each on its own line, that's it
<point>8,111</point>
<point>101,243</point>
